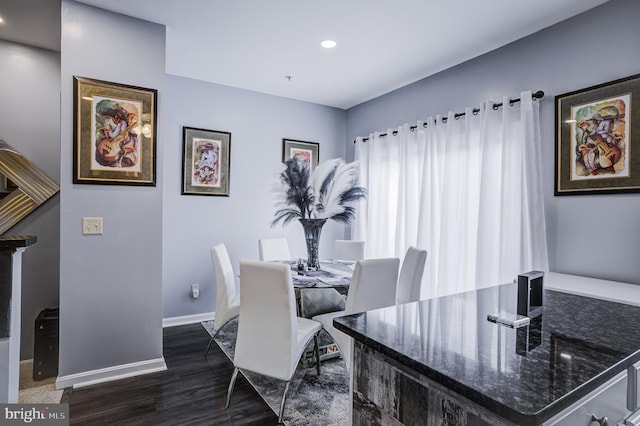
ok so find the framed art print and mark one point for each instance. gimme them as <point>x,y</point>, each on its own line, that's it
<point>114,133</point>
<point>310,151</point>
<point>598,139</point>
<point>205,162</point>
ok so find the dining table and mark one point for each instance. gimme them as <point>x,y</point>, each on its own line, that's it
<point>332,273</point>
<point>321,290</point>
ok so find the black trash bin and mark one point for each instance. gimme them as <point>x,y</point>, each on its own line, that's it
<point>45,347</point>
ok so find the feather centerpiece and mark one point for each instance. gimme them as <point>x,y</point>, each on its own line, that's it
<point>296,201</point>
<point>329,193</point>
<point>335,190</point>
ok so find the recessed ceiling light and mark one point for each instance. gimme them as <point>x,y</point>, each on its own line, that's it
<point>328,44</point>
<point>1,20</point>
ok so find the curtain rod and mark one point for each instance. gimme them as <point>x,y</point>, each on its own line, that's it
<point>537,95</point>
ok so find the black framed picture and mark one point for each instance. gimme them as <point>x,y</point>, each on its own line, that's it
<point>114,133</point>
<point>310,151</point>
<point>598,139</point>
<point>205,162</point>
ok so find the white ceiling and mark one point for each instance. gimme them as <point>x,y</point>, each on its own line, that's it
<point>31,22</point>
<point>382,44</point>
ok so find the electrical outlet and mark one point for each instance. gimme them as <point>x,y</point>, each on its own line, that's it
<point>92,225</point>
<point>195,291</point>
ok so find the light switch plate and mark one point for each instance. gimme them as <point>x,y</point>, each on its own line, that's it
<point>92,225</point>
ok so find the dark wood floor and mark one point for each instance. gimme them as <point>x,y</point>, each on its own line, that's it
<point>191,392</point>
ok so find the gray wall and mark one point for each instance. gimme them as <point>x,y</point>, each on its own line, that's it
<point>592,235</point>
<point>30,123</point>
<point>102,302</point>
<point>111,284</point>
<point>194,223</point>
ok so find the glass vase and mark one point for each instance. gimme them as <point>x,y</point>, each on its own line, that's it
<point>312,229</point>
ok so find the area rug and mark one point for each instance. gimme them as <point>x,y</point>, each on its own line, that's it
<point>36,392</point>
<point>312,399</point>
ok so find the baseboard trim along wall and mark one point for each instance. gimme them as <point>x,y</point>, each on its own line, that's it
<point>108,374</point>
<point>187,319</point>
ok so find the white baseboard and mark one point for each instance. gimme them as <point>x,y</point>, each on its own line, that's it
<point>108,374</point>
<point>187,319</point>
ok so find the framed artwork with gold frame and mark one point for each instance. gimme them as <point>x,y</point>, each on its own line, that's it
<point>310,151</point>
<point>114,133</point>
<point>205,162</point>
<point>598,139</point>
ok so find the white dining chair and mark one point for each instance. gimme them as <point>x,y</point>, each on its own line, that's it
<point>227,297</point>
<point>410,279</point>
<point>348,250</point>
<point>271,338</point>
<point>273,249</point>
<point>373,286</point>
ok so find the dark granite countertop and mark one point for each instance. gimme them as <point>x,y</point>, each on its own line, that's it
<point>526,375</point>
<point>16,241</point>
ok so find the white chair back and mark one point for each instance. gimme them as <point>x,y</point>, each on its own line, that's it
<point>226,291</point>
<point>271,338</point>
<point>373,285</point>
<point>410,279</point>
<point>267,327</point>
<point>273,249</point>
<point>348,250</point>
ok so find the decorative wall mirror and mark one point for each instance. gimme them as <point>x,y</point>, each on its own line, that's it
<point>23,187</point>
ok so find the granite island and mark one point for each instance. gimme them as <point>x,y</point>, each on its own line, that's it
<point>440,361</point>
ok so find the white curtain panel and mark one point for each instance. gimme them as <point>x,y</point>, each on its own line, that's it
<point>468,190</point>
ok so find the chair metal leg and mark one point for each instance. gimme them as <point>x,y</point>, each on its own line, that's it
<point>317,349</point>
<point>230,390</point>
<point>284,397</point>
<point>211,341</point>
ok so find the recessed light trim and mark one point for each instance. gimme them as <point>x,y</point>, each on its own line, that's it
<point>328,44</point>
